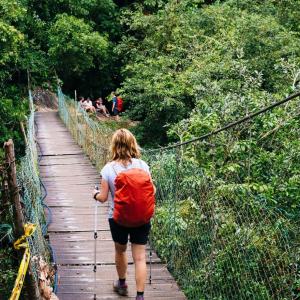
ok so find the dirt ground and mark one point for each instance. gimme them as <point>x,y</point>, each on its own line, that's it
<point>44,100</point>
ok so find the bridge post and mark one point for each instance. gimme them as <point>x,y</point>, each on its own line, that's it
<point>14,197</point>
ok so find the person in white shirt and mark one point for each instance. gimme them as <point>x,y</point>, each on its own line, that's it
<point>87,105</point>
<point>125,156</point>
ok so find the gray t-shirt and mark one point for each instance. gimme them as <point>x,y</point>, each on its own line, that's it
<point>109,173</point>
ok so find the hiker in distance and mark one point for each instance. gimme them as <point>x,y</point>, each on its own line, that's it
<point>128,179</point>
<point>115,106</point>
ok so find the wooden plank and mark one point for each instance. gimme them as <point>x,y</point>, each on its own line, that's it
<point>74,166</point>
<point>162,287</point>
<point>78,236</point>
<point>159,273</point>
<point>90,296</point>
<point>74,211</point>
<point>87,258</point>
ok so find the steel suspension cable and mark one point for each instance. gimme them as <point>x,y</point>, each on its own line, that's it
<point>230,125</point>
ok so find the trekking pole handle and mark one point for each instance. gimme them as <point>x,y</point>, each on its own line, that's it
<point>96,188</point>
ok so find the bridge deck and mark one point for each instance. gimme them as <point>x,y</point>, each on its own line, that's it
<point>69,178</point>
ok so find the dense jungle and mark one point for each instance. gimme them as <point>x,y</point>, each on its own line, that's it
<point>184,68</point>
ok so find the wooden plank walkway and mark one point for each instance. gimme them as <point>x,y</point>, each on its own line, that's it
<point>69,178</point>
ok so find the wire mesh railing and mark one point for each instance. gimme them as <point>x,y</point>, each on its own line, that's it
<point>30,212</point>
<point>221,239</point>
<point>94,137</point>
<point>227,217</point>
<point>31,194</point>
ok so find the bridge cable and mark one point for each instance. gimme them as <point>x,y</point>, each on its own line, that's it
<point>230,125</point>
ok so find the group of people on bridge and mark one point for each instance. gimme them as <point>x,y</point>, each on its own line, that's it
<point>98,105</point>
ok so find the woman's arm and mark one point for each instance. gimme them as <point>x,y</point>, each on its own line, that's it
<point>103,193</point>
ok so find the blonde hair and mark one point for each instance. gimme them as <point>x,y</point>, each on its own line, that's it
<point>124,146</point>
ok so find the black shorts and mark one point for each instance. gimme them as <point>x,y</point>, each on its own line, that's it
<point>138,235</point>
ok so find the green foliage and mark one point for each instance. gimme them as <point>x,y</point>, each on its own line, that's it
<point>82,48</point>
<point>222,223</point>
<point>12,47</point>
<point>8,272</point>
<point>73,37</point>
<point>10,43</point>
<point>11,114</point>
<point>188,53</point>
<point>100,12</point>
<point>186,68</point>
<point>12,11</point>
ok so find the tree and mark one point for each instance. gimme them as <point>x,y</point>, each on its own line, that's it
<point>187,50</point>
<point>12,45</point>
<point>72,42</point>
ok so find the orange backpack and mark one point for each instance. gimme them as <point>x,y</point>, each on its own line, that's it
<point>134,200</point>
<point>119,104</point>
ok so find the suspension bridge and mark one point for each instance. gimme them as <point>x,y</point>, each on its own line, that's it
<point>221,231</point>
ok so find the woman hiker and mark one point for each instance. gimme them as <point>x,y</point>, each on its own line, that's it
<point>128,179</point>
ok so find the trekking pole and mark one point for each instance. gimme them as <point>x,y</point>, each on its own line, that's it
<point>150,256</point>
<point>95,246</point>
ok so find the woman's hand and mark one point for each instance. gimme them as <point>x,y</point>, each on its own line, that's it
<point>94,193</point>
<point>103,193</point>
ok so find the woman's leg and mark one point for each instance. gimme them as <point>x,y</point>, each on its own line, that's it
<point>120,237</point>
<point>139,258</point>
<point>121,260</point>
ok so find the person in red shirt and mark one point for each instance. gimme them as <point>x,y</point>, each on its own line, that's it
<point>120,104</point>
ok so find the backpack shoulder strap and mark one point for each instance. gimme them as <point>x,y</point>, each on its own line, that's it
<point>137,162</point>
<point>113,165</point>
<point>140,163</point>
